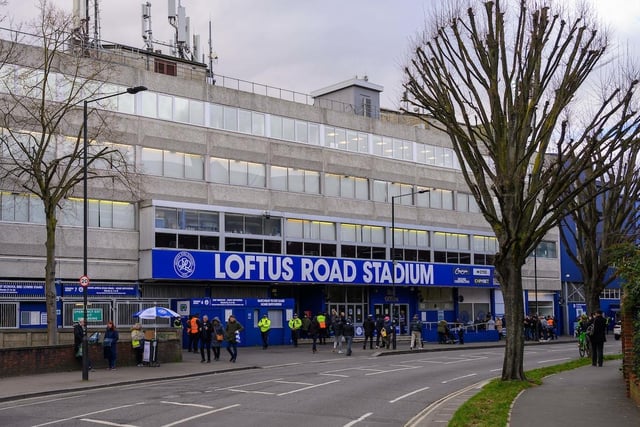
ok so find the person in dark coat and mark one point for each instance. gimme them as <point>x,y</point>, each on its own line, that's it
<point>206,331</point>
<point>110,345</point>
<point>369,326</point>
<point>598,338</point>
<point>379,326</point>
<point>348,331</point>
<point>314,333</point>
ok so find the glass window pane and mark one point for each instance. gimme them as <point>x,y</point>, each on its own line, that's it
<point>193,166</point>
<point>348,232</point>
<point>278,179</point>
<point>362,188</point>
<point>301,132</point>
<point>352,141</point>
<point>377,145</point>
<point>439,240</point>
<point>435,199</point>
<point>126,104</point>
<point>272,226</point>
<point>149,107</point>
<point>341,139</point>
<point>276,127</point>
<point>253,224</point>
<point>447,199</point>
<point>217,116</point>
<point>234,223</point>
<point>219,170</point>
<point>377,234</point>
<point>196,112</point>
<point>379,191</point>
<point>294,228</point>
<point>314,134</point>
<point>462,202</point>
<point>244,121</point>
<point>332,185</point>
<point>347,187</point>
<point>106,214</point>
<point>230,118</point>
<point>256,175</point>
<point>36,211</point>
<point>181,109</point>
<point>151,160</point>
<point>295,180</point>
<point>166,218</point>
<point>173,164</point>
<point>312,230</point>
<point>288,129</point>
<point>330,137</point>
<point>238,172</point>
<point>124,216</point>
<point>165,107</point>
<point>312,182</point>
<point>327,231</point>
<point>208,221</point>
<point>257,124</point>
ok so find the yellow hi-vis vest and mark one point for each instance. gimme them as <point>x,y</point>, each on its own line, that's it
<point>264,324</point>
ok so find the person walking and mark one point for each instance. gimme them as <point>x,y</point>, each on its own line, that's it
<point>265,325</point>
<point>231,332</point>
<point>217,333</point>
<point>137,338</point>
<point>379,327</point>
<point>314,333</point>
<point>416,332</point>
<point>368,326</point>
<point>295,324</point>
<point>598,338</point>
<point>110,345</point>
<point>337,324</point>
<point>322,324</point>
<point>194,332</point>
<point>304,330</point>
<point>206,331</point>
<point>78,336</point>
<point>348,331</point>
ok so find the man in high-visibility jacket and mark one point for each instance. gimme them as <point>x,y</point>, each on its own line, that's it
<point>264,324</point>
<point>295,324</point>
<point>194,333</point>
<point>322,322</point>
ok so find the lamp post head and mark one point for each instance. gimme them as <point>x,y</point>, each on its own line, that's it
<point>136,89</point>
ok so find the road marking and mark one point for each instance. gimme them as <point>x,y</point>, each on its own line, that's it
<point>200,415</point>
<point>458,378</point>
<point>553,360</point>
<point>106,423</point>
<point>248,384</point>
<point>40,402</point>
<point>195,405</point>
<point>495,370</point>
<point>238,390</point>
<point>354,422</point>
<point>307,388</point>
<point>408,394</point>
<point>394,370</point>
<point>292,382</point>
<point>88,414</point>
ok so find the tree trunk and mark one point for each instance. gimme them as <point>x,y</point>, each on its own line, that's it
<point>592,296</point>
<point>50,281</point>
<point>509,269</point>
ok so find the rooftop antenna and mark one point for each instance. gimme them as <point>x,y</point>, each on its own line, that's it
<point>147,33</point>
<point>96,23</point>
<point>212,57</point>
<point>181,23</point>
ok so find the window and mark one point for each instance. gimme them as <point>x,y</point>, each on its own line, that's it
<point>163,66</point>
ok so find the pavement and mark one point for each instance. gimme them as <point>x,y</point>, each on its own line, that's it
<point>583,396</point>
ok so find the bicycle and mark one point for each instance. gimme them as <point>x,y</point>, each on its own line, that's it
<point>584,344</point>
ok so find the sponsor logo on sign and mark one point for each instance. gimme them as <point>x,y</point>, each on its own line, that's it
<point>184,264</point>
<point>461,281</point>
<point>481,272</point>
<point>481,281</point>
<point>459,271</point>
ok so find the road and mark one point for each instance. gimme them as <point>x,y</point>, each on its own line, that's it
<point>333,391</point>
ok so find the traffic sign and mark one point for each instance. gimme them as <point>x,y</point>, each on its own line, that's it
<point>84,281</point>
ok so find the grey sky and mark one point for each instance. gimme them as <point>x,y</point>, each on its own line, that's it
<point>302,45</point>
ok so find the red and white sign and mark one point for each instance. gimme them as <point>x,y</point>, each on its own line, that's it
<point>84,281</point>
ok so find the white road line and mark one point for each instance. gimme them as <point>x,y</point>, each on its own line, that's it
<point>495,370</point>
<point>307,388</point>
<point>292,382</point>
<point>458,378</point>
<point>248,384</point>
<point>408,394</point>
<point>106,423</point>
<point>194,405</point>
<point>200,415</point>
<point>40,402</point>
<point>553,360</point>
<point>239,390</point>
<point>393,370</point>
<point>335,375</point>
<point>354,422</point>
<point>87,414</point>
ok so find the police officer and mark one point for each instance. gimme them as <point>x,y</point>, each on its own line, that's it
<point>265,325</point>
<point>295,324</point>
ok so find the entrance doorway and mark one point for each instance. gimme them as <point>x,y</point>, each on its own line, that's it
<point>400,313</point>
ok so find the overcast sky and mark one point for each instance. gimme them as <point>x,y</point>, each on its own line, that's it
<point>303,45</point>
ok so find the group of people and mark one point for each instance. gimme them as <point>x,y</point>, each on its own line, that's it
<point>540,328</point>
<point>109,343</point>
<point>205,336</point>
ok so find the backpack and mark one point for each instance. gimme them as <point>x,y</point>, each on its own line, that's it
<point>383,332</point>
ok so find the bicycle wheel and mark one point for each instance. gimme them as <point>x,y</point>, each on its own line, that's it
<point>581,348</point>
<point>588,346</point>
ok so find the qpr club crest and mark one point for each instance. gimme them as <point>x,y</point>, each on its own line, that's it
<point>184,264</point>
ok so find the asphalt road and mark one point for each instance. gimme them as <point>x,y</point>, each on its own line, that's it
<point>334,391</point>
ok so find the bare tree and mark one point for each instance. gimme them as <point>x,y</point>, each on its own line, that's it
<point>501,82</point>
<point>604,215</point>
<point>42,147</point>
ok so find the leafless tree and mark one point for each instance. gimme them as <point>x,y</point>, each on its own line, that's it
<point>603,215</point>
<point>503,79</point>
<point>41,146</point>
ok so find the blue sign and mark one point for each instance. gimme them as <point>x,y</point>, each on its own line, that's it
<point>22,288</point>
<point>230,266</point>
<point>101,290</point>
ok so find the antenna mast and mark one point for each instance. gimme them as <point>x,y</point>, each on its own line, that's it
<point>147,33</point>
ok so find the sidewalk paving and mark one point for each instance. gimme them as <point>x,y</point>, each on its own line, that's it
<point>594,396</point>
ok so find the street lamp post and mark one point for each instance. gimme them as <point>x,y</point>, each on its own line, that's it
<point>85,146</point>
<point>393,256</point>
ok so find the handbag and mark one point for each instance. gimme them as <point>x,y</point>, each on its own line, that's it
<point>219,337</point>
<point>79,352</point>
<point>107,342</point>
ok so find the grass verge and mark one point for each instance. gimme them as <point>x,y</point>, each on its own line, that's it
<point>490,407</point>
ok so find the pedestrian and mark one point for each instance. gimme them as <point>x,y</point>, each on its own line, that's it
<point>386,332</point>
<point>206,331</point>
<point>368,326</point>
<point>416,332</point>
<point>137,338</point>
<point>348,331</point>
<point>295,324</point>
<point>379,327</point>
<point>265,325</point>
<point>598,338</point>
<point>314,333</point>
<point>322,325</point>
<point>304,330</point>
<point>499,327</point>
<point>194,332</point>
<point>442,331</point>
<point>217,333</point>
<point>110,345</point>
<point>231,333</point>
<point>78,337</point>
<point>402,320</point>
<point>336,326</point>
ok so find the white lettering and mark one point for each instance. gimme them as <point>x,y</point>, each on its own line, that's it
<point>229,266</point>
<point>218,273</point>
<point>287,268</point>
<point>306,269</point>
